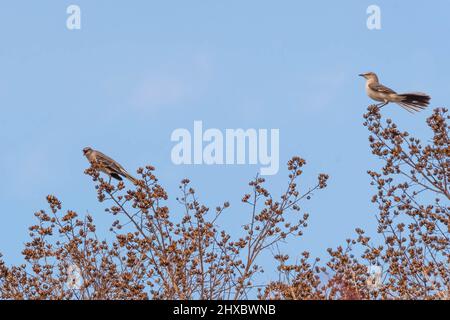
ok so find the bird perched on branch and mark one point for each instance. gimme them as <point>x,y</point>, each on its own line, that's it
<point>107,165</point>
<point>414,101</point>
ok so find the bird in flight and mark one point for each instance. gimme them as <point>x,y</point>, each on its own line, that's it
<point>414,101</point>
<point>107,165</point>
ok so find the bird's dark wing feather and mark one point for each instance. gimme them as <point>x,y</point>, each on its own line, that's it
<point>380,88</point>
<point>116,176</point>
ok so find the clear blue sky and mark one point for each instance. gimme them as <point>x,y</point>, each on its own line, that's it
<point>137,70</point>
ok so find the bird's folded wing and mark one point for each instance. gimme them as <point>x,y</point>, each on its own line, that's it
<point>106,161</point>
<point>380,88</point>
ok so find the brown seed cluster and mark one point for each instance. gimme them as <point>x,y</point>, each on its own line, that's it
<point>413,219</point>
<point>154,252</point>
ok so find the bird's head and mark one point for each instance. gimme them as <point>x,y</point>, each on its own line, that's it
<point>369,76</point>
<point>87,151</point>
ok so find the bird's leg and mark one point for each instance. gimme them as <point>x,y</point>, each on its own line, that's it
<point>109,182</point>
<point>381,105</point>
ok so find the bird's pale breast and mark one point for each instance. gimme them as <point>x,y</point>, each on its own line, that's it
<point>375,95</point>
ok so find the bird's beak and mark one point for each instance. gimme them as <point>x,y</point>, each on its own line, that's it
<point>361,74</point>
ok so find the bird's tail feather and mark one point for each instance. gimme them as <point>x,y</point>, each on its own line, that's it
<point>408,107</point>
<point>131,178</point>
<point>414,101</point>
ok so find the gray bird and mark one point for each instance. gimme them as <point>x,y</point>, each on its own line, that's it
<point>414,101</point>
<point>107,165</point>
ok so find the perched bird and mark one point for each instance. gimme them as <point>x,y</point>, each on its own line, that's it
<point>414,101</point>
<point>107,165</point>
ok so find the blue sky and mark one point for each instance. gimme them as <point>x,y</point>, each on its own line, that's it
<point>138,70</point>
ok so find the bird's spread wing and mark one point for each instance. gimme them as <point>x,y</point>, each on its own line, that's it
<point>380,88</point>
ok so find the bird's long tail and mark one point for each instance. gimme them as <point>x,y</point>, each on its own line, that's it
<point>130,177</point>
<point>414,101</point>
